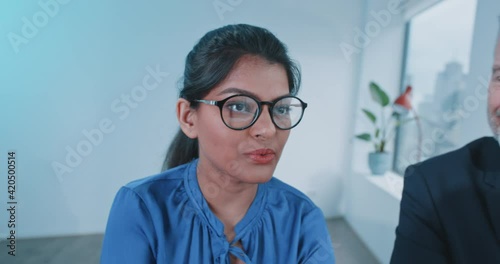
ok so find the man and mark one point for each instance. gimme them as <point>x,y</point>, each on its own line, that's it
<point>450,210</point>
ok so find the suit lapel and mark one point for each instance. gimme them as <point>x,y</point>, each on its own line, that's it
<point>486,156</point>
<point>491,194</point>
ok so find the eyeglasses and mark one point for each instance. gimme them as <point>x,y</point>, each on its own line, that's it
<point>240,111</point>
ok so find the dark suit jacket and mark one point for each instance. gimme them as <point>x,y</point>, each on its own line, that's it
<point>450,210</point>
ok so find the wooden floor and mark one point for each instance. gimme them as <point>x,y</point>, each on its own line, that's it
<point>86,249</point>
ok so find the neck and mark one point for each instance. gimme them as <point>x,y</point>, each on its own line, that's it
<point>227,197</point>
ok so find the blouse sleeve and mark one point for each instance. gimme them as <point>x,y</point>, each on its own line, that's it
<point>315,241</point>
<point>129,236</point>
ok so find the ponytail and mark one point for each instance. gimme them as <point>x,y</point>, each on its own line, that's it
<point>182,150</point>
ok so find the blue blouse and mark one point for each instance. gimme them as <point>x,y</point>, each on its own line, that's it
<point>165,219</point>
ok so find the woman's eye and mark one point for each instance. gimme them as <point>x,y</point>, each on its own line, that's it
<point>282,110</point>
<point>238,107</point>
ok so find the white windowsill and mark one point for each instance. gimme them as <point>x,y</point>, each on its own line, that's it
<point>390,182</point>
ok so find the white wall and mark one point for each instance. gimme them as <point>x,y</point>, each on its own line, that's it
<point>381,62</point>
<point>65,78</point>
<point>370,211</point>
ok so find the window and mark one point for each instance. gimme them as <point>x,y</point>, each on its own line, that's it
<point>436,66</point>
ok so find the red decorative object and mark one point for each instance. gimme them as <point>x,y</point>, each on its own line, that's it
<point>402,105</point>
<point>403,101</point>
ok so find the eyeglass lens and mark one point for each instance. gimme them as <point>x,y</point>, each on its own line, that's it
<point>240,111</point>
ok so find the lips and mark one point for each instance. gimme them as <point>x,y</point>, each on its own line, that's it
<point>261,156</point>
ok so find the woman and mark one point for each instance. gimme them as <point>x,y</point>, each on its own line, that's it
<point>217,202</point>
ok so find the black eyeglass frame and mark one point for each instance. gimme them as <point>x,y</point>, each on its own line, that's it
<point>270,105</point>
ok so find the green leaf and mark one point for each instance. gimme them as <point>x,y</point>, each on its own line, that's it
<point>370,115</point>
<point>378,95</point>
<point>364,136</point>
<point>377,132</point>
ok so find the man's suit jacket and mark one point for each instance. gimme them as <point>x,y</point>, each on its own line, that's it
<point>450,210</point>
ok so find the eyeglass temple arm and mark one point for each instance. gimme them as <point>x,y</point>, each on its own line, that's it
<point>210,102</point>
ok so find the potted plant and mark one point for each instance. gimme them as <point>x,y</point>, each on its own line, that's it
<point>384,126</point>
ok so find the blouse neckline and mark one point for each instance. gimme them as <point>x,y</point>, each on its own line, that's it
<point>251,216</point>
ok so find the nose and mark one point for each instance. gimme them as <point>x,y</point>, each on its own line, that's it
<point>264,127</point>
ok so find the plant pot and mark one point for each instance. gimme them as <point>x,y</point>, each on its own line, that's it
<point>379,162</point>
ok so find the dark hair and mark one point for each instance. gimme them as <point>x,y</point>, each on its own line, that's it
<point>211,61</point>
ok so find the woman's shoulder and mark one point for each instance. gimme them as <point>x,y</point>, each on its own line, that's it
<point>281,192</point>
<point>160,182</point>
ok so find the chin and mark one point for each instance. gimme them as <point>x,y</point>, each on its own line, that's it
<point>258,180</point>
<point>494,124</point>
<point>259,174</point>
<point>250,172</point>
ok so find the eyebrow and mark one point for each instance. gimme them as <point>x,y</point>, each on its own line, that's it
<point>237,91</point>
<point>241,91</point>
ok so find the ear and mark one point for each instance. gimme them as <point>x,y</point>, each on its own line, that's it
<point>187,118</point>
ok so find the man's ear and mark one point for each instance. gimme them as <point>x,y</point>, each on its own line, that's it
<point>187,118</point>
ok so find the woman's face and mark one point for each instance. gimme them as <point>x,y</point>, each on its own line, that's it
<point>250,155</point>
